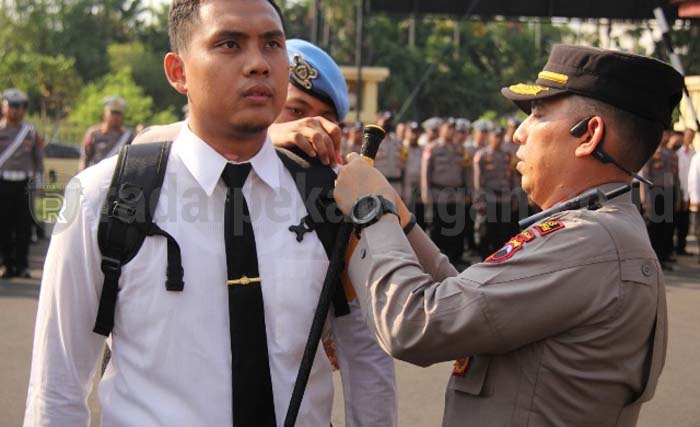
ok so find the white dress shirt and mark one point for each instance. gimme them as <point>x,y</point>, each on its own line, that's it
<point>171,358</point>
<point>685,154</point>
<point>694,182</point>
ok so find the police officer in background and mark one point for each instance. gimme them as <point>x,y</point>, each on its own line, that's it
<point>105,139</point>
<point>432,128</point>
<point>480,133</point>
<point>659,202</point>
<point>443,187</point>
<point>353,143</point>
<point>463,138</point>
<point>685,152</point>
<point>566,324</point>
<point>412,153</point>
<point>493,189</point>
<point>21,160</point>
<point>389,160</point>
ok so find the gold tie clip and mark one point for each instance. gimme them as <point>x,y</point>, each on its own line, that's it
<point>244,281</point>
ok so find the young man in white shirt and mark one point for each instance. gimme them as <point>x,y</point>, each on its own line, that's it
<point>171,354</point>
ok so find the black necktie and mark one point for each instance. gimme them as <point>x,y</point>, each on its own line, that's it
<point>253,403</point>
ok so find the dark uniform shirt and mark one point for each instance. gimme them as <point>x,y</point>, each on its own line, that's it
<point>100,144</point>
<point>28,158</point>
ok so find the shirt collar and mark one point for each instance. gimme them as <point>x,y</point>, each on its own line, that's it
<point>206,164</point>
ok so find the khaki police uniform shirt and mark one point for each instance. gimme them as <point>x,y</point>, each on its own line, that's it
<point>662,170</point>
<point>389,161</point>
<point>99,143</point>
<point>493,171</point>
<point>411,182</point>
<point>443,178</point>
<point>28,159</point>
<point>566,325</point>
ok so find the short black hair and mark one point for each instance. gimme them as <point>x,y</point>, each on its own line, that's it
<point>184,13</point>
<point>640,137</point>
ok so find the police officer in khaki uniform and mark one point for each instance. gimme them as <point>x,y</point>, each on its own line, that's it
<point>659,202</point>
<point>443,187</point>
<point>493,189</point>
<point>104,140</point>
<point>353,143</point>
<point>432,129</point>
<point>389,160</point>
<point>21,159</point>
<point>412,154</point>
<point>463,138</point>
<point>566,324</point>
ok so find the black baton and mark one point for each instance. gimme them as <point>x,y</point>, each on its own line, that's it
<point>373,136</point>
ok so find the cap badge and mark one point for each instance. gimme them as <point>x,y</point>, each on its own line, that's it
<point>302,72</point>
<point>524,89</point>
<point>554,77</point>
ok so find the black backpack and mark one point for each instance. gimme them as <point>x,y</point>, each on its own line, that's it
<point>126,218</point>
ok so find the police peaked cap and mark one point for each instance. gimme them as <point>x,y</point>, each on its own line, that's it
<point>313,71</point>
<point>643,86</point>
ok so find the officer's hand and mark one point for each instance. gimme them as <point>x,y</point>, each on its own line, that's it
<point>358,178</point>
<point>316,136</point>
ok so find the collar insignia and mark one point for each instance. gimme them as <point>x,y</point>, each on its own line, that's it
<point>302,73</point>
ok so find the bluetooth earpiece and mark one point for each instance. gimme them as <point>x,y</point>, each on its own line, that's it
<point>580,128</point>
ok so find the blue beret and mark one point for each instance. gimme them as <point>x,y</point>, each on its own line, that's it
<point>314,71</point>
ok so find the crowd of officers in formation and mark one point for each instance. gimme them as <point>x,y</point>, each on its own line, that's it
<point>458,177</point>
<point>461,179</point>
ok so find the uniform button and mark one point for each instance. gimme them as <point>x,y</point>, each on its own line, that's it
<point>363,253</point>
<point>647,270</point>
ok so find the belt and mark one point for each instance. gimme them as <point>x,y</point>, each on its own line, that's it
<point>14,176</point>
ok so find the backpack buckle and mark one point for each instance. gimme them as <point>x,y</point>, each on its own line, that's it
<point>124,213</point>
<point>111,265</point>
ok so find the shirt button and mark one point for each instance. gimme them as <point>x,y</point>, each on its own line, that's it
<point>646,269</point>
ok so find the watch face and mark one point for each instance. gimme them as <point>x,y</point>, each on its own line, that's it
<point>365,209</point>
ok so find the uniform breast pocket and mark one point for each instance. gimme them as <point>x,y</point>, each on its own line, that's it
<point>474,380</point>
<point>293,301</point>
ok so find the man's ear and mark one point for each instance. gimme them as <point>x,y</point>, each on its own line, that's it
<point>175,72</point>
<point>591,138</point>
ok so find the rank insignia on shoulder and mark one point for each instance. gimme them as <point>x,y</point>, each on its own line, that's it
<point>548,227</point>
<point>515,244</point>
<point>461,367</point>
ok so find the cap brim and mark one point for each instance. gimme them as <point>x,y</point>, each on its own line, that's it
<point>522,94</point>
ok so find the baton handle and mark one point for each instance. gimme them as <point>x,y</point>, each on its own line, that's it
<point>372,137</point>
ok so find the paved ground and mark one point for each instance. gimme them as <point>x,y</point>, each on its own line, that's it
<point>420,390</point>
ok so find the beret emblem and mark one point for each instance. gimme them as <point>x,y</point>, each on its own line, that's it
<point>302,72</point>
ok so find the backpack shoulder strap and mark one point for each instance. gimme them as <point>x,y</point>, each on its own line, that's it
<point>127,218</point>
<point>315,182</point>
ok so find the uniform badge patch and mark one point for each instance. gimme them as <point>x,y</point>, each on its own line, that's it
<point>511,247</point>
<point>461,367</point>
<point>548,227</point>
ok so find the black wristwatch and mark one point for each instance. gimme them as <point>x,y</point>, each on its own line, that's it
<point>369,209</point>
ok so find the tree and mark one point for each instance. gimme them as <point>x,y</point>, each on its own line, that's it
<point>89,105</point>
